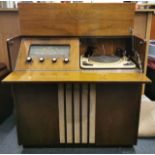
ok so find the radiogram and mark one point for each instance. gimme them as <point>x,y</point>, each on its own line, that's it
<point>76,74</point>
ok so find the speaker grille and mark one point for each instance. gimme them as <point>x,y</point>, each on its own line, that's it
<point>77,106</point>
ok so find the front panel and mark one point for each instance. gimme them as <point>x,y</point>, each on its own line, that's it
<point>48,54</point>
<point>37,114</point>
<point>117,113</point>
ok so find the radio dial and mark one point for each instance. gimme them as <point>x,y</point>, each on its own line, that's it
<point>54,60</point>
<point>41,59</point>
<point>66,60</point>
<point>29,59</point>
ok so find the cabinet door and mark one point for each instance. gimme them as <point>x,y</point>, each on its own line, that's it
<point>37,114</point>
<point>117,113</point>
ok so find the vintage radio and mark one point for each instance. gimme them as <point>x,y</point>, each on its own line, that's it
<point>77,73</point>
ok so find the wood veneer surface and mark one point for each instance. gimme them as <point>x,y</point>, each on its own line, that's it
<point>74,76</point>
<point>152,37</point>
<point>37,114</point>
<point>117,113</point>
<point>140,24</point>
<point>9,27</point>
<point>48,65</point>
<point>76,19</point>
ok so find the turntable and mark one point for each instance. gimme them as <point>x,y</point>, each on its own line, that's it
<point>104,61</point>
<point>96,56</point>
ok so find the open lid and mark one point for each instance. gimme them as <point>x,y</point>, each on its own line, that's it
<point>76,19</point>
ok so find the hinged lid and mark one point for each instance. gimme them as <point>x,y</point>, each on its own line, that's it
<point>76,19</point>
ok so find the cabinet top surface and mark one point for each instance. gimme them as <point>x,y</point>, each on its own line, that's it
<point>74,76</point>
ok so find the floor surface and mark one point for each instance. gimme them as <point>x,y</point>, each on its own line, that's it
<point>8,144</point>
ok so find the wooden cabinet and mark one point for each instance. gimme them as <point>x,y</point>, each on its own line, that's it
<point>61,103</point>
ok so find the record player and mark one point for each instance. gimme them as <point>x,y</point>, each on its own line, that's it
<point>118,59</point>
<point>106,62</point>
<point>112,62</point>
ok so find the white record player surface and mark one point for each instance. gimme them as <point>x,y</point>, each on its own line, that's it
<point>110,62</point>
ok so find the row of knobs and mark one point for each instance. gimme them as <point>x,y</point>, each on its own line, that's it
<point>29,59</point>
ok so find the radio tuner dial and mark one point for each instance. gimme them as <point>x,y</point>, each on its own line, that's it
<point>54,60</point>
<point>66,60</point>
<point>41,59</point>
<point>29,59</point>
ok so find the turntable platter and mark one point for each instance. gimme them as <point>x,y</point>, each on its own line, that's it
<point>105,59</point>
<point>106,62</point>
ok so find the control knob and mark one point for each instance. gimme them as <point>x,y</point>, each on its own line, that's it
<point>66,60</point>
<point>54,60</point>
<point>41,59</point>
<point>29,59</point>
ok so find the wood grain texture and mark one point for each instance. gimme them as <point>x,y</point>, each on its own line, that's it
<point>9,27</point>
<point>13,45</point>
<point>92,114</point>
<point>69,119</point>
<point>104,46</point>
<point>152,37</point>
<point>76,113</point>
<point>117,114</point>
<point>74,76</point>
<point>140,24</point>
<point>37,114</point>
<point>61,112</point>
<point>85,19</point>
<point>84,113</point>
<point>47,64</point>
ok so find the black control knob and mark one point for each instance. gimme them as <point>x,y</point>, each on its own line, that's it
<point>29,59</point>
<point>41,59</point>
<point>66,60</point>
<point>54,60</point>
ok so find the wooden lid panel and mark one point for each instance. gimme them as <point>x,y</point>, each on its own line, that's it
<point>83,19</point>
